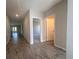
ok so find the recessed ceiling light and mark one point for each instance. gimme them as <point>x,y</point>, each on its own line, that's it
<point>17,15</point>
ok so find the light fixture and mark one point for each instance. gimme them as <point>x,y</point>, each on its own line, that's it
<point>17,15</point>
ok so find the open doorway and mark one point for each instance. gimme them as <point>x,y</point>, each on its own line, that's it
<point>16,31</point>
<point>51,29</point>
<point>36,30</point>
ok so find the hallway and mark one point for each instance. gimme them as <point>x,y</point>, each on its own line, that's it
<point>44,29</point>
<point>22,50</point>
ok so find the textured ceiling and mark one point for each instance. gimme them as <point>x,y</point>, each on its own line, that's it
<point>20,7</point>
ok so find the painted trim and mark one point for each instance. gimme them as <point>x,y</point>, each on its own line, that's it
<point>41,40</point>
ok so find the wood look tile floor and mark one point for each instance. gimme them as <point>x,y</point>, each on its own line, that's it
<point>22,50</point>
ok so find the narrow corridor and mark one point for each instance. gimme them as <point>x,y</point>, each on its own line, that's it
<point>22,50</point>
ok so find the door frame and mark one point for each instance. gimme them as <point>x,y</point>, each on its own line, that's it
<point>54,26</point>
<point>40,28</point>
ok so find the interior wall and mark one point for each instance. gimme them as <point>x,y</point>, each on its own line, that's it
<point>26,27</point>
<point>35,14</point>
<point>59,11</point>
<point>8,33</point>
<point>70,30</point>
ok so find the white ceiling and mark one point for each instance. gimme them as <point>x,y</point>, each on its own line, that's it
<point>20,7</point>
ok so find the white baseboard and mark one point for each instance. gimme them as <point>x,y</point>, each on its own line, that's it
<point>60,47</point>
<point>31,43</point>
<point>56,45</point>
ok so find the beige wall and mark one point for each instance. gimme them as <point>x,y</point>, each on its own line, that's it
<point>7,30</point>
<point>70,30</point>
<point>59,11</point>
<point>26,27</point>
